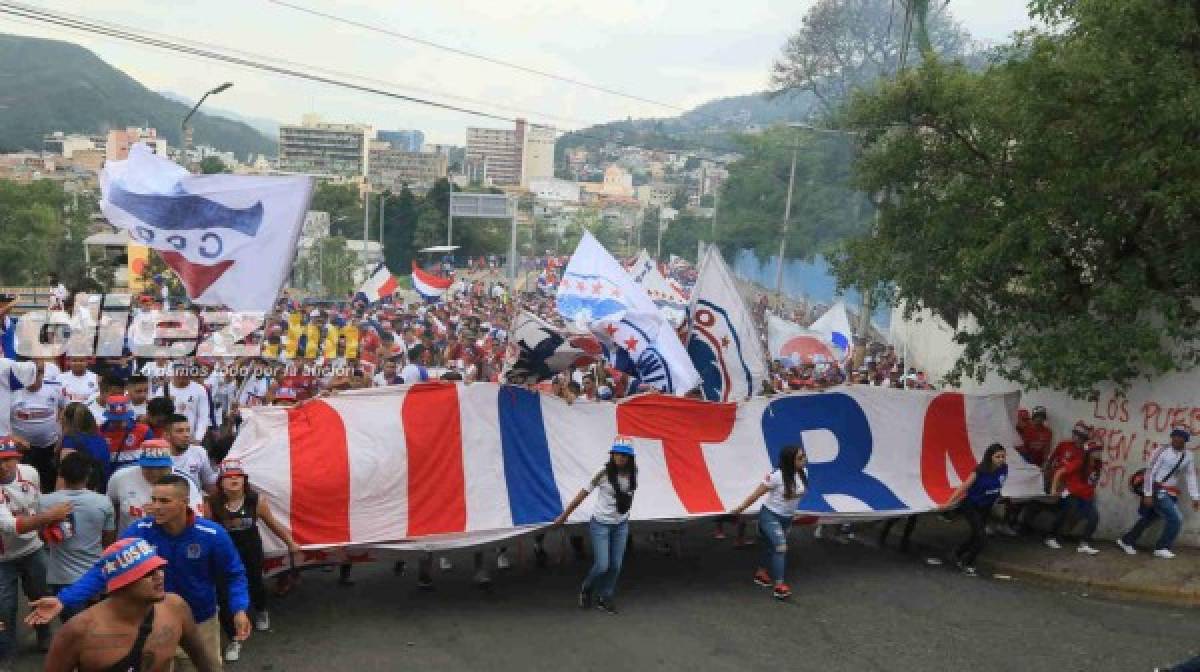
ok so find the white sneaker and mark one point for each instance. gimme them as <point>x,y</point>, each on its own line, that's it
<point>262,621</point>
<point>502,561</point>
<point>1129,550</point>
<point>1053,543</point>
<point>1086,549</point>
<point>233,652</point>
<point>1164,553</point>
<point>444,564</point>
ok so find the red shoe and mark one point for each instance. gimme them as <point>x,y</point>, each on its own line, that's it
<point>782,591</point>
<point>763,578</point>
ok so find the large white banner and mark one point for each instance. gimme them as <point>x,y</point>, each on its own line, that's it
<point>449,465</point>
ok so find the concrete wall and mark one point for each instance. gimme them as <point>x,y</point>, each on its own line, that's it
<point>1130,425</point>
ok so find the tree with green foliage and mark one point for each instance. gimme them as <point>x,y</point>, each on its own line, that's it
<point>211,165</point>
<point>846,45</point>
<point>826,206</point>
<point>1047,206</point>
<point>344,205</point>
<point>42,229</point>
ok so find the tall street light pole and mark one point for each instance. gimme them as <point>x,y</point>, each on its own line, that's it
<point>183,127</point>
<point>787,215</point>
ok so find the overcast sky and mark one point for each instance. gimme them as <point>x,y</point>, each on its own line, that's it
<point>681,52</point>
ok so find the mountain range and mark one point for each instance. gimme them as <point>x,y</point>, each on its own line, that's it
<point>49,85</point>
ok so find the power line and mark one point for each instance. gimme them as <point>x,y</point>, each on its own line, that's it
<point>125,33</point>
<point>475,56</point>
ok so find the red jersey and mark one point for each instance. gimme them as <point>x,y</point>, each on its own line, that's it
<point>1082,481</point>
<point>1035,443</point>
<point>1064,452</point>
<point>125,442</point>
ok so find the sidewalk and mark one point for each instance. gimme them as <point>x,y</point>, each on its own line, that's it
<point>1112,572</point>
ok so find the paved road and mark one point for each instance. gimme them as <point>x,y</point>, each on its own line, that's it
<point>854,608</point>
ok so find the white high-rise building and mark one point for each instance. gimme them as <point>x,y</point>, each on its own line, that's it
<point>537,161</point>
<point>318,148</point>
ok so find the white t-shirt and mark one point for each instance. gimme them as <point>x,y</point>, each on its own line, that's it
<point>21,496</point>
<point>192,402</point>
<point>775,499</point>
<point>254,391</point>
<point>194,463</point>
<point>130,492</point>
<point>605,508</point>
<point>25,373</point>
<point>379,380</point>
<point>82,389</point>
<point>35,414</point>
<point>156,374</point>
<point>411,373</point>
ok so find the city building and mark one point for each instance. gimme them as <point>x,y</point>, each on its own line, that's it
<point>537,160</point>
<point>389,168</point>
<point>405,141</point>
<point>617,182</point>
<point>656,194</point>
<point>554,190</point>
<point>118,142</point>
<point>66,144</point>
<point>494,154</point>
<point>318,148</point>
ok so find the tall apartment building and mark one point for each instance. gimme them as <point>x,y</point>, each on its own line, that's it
<point>318,148</point>
<point>537,159</point>
<point>66,144</point>
<point>392,168</point>
<point>496,153</point>
<point>405,141</point>
<point>116,146</point>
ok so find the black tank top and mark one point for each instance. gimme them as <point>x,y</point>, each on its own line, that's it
<point>242,524</point>
<point>132,662</point>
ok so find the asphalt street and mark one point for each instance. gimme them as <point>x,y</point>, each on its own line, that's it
<point>853,608</point>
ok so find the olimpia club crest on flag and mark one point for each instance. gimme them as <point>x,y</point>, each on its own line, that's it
<point>230,238</point>
<point>723,343</point>
<point>597,294</point>
<point>431,287</point>
<point>380,285</point>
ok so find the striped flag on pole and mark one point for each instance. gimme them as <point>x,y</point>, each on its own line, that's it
<point>380,285</point>
<point>429,286</point>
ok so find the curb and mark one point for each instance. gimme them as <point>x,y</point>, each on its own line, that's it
<point>1152,594</point>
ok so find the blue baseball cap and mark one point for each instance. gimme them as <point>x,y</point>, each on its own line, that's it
<point>622,445</point>
<point>1182,433</point>
<point>156,453</point>
<point>127,561</point>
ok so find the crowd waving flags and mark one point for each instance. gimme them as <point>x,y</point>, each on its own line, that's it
<point>431,287</point>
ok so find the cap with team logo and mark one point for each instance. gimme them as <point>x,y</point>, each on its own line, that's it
<point>126,561</point>
<point>232,467</point>
<point>156,453</point>
<point>118,407</point>
<point>8,448</point>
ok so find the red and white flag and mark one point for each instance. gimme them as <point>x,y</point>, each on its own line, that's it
<point>429,286</point>
<point>380,285</point>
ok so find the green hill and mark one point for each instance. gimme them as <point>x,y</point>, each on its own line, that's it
<point>47,85</point>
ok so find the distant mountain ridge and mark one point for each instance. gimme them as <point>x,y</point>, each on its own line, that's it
<point>50,85</point>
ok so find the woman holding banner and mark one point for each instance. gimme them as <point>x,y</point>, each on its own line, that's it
<point>977,495</point>
<point>614,487</point>
<point>775,517</point>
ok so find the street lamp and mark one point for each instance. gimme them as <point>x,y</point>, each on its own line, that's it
<point>187,135</point>
<point>787,215</point>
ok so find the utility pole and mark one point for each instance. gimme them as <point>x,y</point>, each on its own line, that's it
<point>787,216</point>
<point>366,225</point>
<point>382,203</point>
<point>449,216</point>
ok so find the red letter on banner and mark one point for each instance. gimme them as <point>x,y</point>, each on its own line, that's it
<point>682,425</point>
<point>437,498</point>
<point>945,435</point>
<point>320,506</point>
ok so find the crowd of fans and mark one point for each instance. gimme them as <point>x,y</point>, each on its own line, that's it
<point>110,466</point>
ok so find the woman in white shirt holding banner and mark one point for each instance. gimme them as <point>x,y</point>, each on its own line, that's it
<point>783,487</point>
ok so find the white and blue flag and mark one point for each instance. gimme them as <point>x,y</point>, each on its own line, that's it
<point>723,343</point>
<point>229,238</point>
<point>834,325</point>
<point>598,295</point>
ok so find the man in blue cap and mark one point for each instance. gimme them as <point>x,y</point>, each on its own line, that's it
<point>138,627</point>
<point>1160,495</point>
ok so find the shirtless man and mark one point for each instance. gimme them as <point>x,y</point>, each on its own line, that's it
<point>137,628</point>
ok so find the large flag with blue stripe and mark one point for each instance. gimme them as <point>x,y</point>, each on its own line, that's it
<point>723,342</point>
<point>448,465</point>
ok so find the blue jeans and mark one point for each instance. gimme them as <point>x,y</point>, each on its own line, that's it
<point>608,548</point>
<point>30,570</point>
<point>772,533</point>
<point>1166,506</point>
<point>1190,665</point>
<point>1085,507</point>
